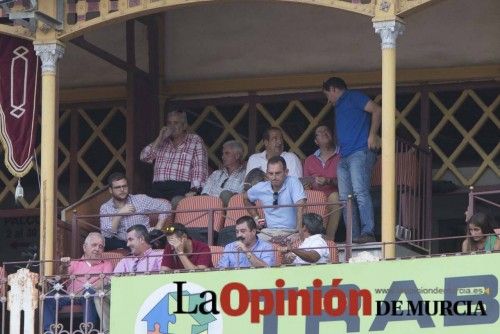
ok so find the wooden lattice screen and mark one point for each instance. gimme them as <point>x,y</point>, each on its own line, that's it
<point>459,122</point>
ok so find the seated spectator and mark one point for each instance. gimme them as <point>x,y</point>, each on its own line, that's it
<point>253,177</point>
<point>142,259</point>
<point>280,189</point>
<point>320,173</point>
<point>479,225</point>
<point>182,252</point>
<point>114,228</point>
<point>248,250</point>
<point>313,248</point>
<point>273,142</point>
<point>228,180</point>
<point>89,264</point>
<point>180,159</point>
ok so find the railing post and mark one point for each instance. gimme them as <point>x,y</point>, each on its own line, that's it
<point>22,296</point>
<point>211,228</point>
<point>75,236</point>
<point>348,237</point>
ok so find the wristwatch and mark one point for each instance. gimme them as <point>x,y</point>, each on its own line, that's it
<point>249,255</point>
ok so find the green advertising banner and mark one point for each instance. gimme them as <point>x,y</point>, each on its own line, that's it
<point>457,294</point>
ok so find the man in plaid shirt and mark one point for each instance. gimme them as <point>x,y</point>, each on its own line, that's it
<point>114,228</point>
<point>180,159</point>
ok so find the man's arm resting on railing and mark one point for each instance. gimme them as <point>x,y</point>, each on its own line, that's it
<point>310,256</point>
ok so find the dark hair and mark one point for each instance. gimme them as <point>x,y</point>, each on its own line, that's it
<point>158,239</point>
<point>115,177</point>
<point>334,82</point>
<point>313,223</point>
<point>248,220</point>
<point>483,221</point>
<point>141,231</point>
<point>277,159</point>
<point>253,177</point>
<point>177,229</point>
<point>267,133</point>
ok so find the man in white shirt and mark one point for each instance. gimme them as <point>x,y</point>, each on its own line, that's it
<point>313,248</point>
<point>273,142</point>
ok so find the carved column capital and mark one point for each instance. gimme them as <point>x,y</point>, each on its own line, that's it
<point>389,31</point>
<point>49,53</point>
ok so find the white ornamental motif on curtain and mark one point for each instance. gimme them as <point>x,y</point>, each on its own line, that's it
<point>19,60</point>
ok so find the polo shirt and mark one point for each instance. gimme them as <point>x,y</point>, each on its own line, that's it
<point>314,166</point>
<point>171,260</point>
<point>259,160</point>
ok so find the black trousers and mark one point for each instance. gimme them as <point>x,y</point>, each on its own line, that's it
<point>170,189</point>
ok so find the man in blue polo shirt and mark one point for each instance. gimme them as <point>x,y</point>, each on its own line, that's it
<point>248,250</point>
<point>278,193</point>
<point>357,121</point>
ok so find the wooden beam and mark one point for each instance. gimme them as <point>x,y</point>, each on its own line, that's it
<point>82,43</point>
<point>313,81</point>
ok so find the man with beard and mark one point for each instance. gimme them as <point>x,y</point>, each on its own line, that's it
<point>273,142</point>
<point>114,228</point>
<point>248,250</point>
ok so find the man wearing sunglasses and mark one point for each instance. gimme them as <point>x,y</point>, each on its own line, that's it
<point>282,195</point>
<point>133,210</point>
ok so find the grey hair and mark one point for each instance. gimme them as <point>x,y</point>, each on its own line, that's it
<point>235,146</point>
<point>94,234</point>
<point>313,223</point>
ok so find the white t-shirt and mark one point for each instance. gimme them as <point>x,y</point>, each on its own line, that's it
<point>259,160</point>
<point>315,240</point>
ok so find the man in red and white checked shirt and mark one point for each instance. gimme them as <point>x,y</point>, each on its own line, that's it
<point>180,159</point>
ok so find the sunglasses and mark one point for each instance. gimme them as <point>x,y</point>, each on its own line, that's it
<point>275,198</point>
<point>224,182</point>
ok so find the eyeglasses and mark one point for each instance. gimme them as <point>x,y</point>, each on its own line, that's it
<point>224,182</point>
<point>120,187</point>
<point>275,198</point>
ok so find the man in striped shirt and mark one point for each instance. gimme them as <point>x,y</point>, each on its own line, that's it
<point>180,159</point>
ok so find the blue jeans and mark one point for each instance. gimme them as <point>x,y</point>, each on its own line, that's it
<point>89,313</point>
<point>354,174</point>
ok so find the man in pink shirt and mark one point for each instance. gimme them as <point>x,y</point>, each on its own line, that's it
<point>86,271</point>
<point>320,173</point>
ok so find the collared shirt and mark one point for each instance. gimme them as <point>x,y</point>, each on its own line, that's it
<point>142,204</point>
<point>352,122</point>
<point>259,160</point>
<point>82,267</point>
<point>314,166</point>
<point>220,180</point>
<point>291,192</point>
<point>232,258</point>
<point>186,162</point>
<point>200,256</point>
<point>312,241</point>
<point>149,261</point>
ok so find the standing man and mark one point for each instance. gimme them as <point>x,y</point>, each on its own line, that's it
<point>248,250</point>
<point>320,173</point>
<point>273,142</point>
<point>180,159</point>
<point>114,228</point>
<point>228,180</point>
<point>279,189</point>
<point>86,270</point>
<point>357,121</point>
